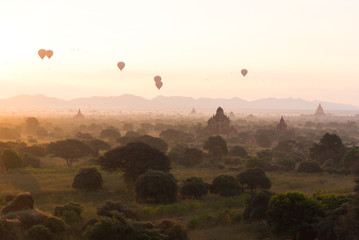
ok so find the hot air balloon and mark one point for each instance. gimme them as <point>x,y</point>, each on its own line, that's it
<point>42,53</point>
<point>244,72</point>
<point>49,53</point>
<point>121,65</point>
<point>159,84</point>
<point>157,78</point>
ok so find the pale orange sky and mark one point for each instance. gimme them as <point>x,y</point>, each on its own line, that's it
<point>307,49</point>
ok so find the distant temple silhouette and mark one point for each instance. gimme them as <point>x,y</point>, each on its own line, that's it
<point>219,124</point>
<point>79,115</point>
<point>319,111</point>
<point>193,111</point>
<point>231,115</point>
<point>282,126</point>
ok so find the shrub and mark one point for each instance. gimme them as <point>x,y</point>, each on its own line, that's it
<point>10,159</point>
<point>193,188</point>
<point>88,179</point>
<point>117,227</point>
<point>257,206</point>
<point>309,167</point>
<point>156,187</point>
<point>254,178</point>
<point>54,224</point>
<point>191,157</point>
<point>172,229</point>
<point>71,217</point>
<point>38,232</point>
<point>109,206</point>
<point>331,201</point>
<point>238,151</point>
<point>31,161</point>
<point>7,231</point>
<point>293,214</point>
<point>226,186</point>
<point>70,206</point>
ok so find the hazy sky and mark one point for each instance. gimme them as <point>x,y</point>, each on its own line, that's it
<point>291,48</point>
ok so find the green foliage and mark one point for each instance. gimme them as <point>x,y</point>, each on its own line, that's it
<point>109,206</point>
<point>67,209</point>
<point>292,213</point>
<point>255,162</point>
<point>177,152</point>
<point>111,133</point>
<point>309,167</point>
<point>31,161</point>
<point>38,232</point>
<point>238,151</point>
<point>192,157</point>
<point>10,159</point>
<point>156,187</point>
<point>175,135</point>
<point>226,186</point>
<point>71,217</point>
<point>329,147</point>
<point>119,228</point>
<point>193,188</point>
<point>331,201</point>
<point>134,159</point>
<point>55,225</point>
<point>257,206</point>
<point>214,143</point>
<point>7,232</point>
<point>97,145</point>
<point>153,142</point>
<point>88,179</point>
<point>69,149</point>
<point>221,218</point>
<point>287,164</point>
<point>264,137</point>
<point>173,230</point>
<point>254,178</point>
<point>351,157</point>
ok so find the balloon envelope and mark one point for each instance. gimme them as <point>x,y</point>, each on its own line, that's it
<point>157,78</point>
<point>244,72</point>
<point>49,53</point>
<point>42,53</point>
<point>159,84</point>
<point>121,65</point>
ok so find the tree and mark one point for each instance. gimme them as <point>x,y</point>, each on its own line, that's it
<point>264,137</point>
<point>70,150</point>
<point>257,206</point>
<point>134,159</point>
<point>351,157</point>
<point>226,186</point>
<point>175,135</point>
<point>330,146</point>
<point>191,157</point>
<point>156,187</point>
<point>154,142</point>
<point>309,167</point>
<point>254,178</point>
<point>10,159</point>
<point>193,188</point>
<point>293,214</point>
<point>214,143</point>
<point>111,133</point>
<point>88,179</point>
<point>238,151</point>
<point>98,145</point>
<point>177,152</point>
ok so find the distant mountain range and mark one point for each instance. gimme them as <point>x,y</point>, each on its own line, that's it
<point>132,102</point>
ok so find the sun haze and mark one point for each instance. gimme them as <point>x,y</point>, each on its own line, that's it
<point>306,49</point>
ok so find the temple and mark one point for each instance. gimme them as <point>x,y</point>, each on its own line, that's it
<point>282,126</point>
<point>319,111</point>
<point>219,124</point>
<point>79,115</point>
<point>193,111</point>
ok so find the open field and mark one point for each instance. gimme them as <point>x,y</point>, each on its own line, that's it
<point>213,216</point>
